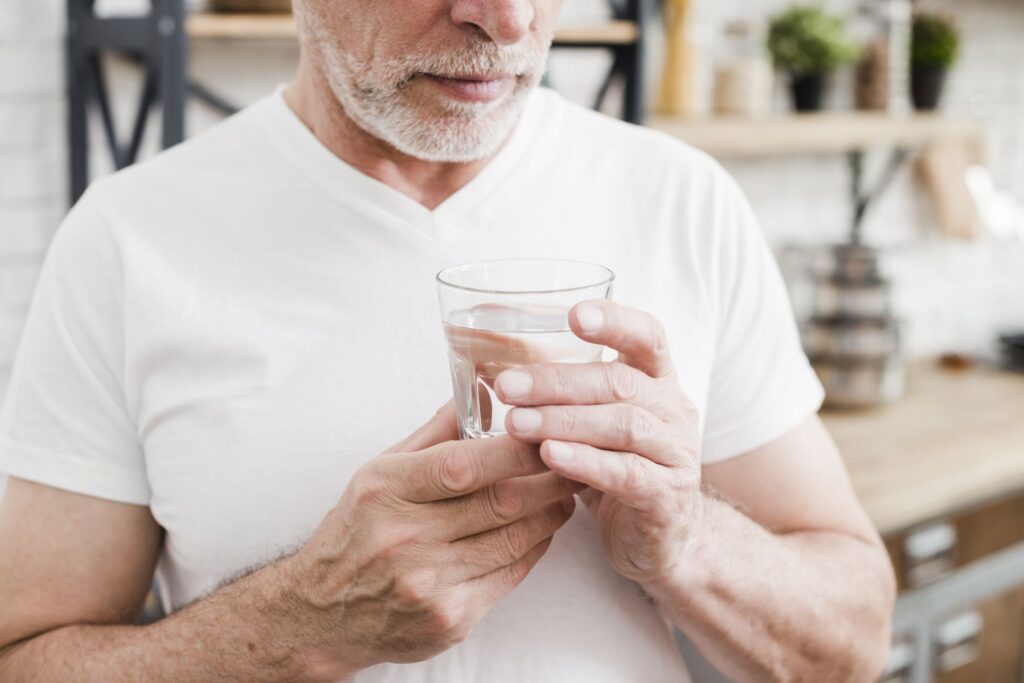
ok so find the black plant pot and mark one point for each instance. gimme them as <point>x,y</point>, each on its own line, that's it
<point>926,83</point>
<point>808,91</point>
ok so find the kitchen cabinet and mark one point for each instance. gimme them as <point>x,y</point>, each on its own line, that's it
<point>941,474</point>
<point>979,642</point>
<point>999,643</point>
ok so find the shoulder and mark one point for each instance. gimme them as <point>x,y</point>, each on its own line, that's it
<point>209,164</point>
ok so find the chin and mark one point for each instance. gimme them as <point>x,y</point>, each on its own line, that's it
<point>461,134</point>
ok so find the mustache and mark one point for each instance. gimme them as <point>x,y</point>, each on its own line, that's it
<point>481,57</point>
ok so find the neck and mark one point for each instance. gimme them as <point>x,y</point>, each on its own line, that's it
<point>428,183</point>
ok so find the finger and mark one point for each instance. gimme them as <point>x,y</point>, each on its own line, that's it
<point>581,384</point>
<point>457,468</point>
<point>498,583</point>
<point>486,409</point>
<point>490,351</point>
<point>500,504</point>
<point>442,427</point>
<point>633,480</point>
<point>637,335</point>
<point>482,554</point>
<point>615,427</point>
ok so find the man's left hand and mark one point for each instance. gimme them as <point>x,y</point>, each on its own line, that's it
<point>623,428</point>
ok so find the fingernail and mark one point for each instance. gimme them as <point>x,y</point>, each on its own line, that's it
<point>525,419</point>
<point>515,383</point>
<point>560,453</point>
<point>590,318</point>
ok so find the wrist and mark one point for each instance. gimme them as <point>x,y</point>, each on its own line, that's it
<point>295,618</point>
<point>690,572</point>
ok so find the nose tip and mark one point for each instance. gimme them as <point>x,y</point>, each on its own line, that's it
<point>506,22</point>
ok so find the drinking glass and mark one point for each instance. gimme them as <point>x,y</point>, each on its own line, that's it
<point>507,313</point>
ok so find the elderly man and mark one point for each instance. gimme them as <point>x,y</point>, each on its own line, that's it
<point>225,340</point>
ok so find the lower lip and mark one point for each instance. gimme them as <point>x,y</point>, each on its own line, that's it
<point>473,91</point>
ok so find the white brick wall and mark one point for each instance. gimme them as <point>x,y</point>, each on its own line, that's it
<point>31,156</point>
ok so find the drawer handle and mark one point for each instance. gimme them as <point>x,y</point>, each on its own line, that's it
<point>957,641</point>
<point>929,553</point>
<point>900,665</point>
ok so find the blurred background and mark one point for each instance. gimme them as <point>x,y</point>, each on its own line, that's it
<point>881,143</point>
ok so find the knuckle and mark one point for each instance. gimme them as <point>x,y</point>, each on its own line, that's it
<point>635,426</point>
<point>516,572</point>
<point>561,381</point>
<point>507,501</point>
<point>370,485</point>
<point>690,452</point>
<point>453,473</point>
<point>622,381</point>
<point>514,541</point>
<point>688,411</point>
<point>565,418</point>
<point>447,620</point>
<point>634,474</point>
<point>659,338</point>
<point>414,592</point>
<point>459,635</point>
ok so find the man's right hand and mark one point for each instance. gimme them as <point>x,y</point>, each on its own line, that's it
<point>424,541</point>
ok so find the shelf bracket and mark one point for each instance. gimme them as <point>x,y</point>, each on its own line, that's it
<point>864,200</point>
<point>157,40</point>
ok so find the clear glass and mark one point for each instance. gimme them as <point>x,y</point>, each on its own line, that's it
<point>507,313</point>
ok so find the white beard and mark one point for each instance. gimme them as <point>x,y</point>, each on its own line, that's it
<point>372,96</point>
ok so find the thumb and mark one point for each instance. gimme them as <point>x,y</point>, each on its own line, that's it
<point>442,427</point>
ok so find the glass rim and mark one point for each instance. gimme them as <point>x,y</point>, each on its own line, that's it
<point>609,277</point>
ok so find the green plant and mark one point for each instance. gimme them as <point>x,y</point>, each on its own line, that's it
<point>934,43</point>
<point>806,40</point>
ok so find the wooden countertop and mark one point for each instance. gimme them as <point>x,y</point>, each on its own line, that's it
<point>954,441</point>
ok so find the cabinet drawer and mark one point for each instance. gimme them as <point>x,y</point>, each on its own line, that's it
<point>975,534</point>
<point>999,647</point>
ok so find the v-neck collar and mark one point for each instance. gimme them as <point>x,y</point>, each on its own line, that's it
<point>379,201</point>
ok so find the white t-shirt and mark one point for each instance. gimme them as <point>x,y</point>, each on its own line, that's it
<point>227,332</point>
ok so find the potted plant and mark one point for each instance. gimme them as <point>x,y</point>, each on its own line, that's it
<point>934,47</point>
<point>809,44</point>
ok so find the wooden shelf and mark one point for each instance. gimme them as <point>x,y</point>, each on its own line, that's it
<point>824,133</point>
<point>213,26</point>
<point>954,442</point>
<point>608,33</point>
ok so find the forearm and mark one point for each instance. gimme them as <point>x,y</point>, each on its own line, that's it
<point>801,606</point>
<point>239,633</point>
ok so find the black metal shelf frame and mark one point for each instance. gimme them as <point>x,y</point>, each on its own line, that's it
<point>158,43</point>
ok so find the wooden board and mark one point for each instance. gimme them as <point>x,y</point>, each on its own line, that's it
<point>953,443</point>
<point>943,167</point>
<point>818,133</point>
<point>231,26</point>
<point>677,88</point>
